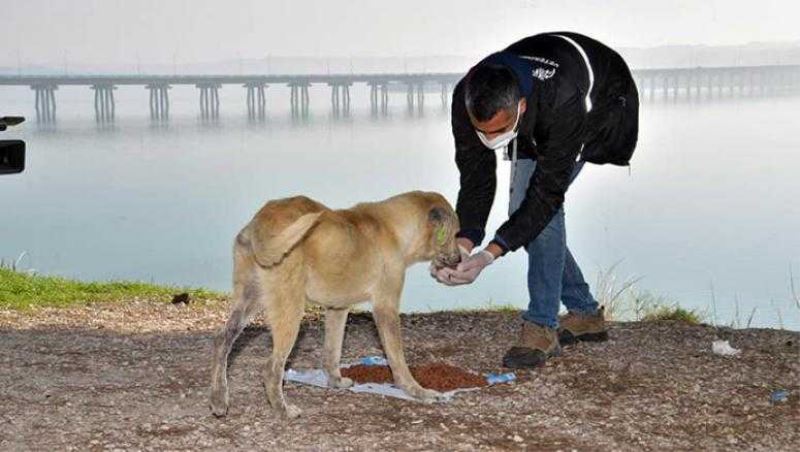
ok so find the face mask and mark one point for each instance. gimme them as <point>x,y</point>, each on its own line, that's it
<point>501,140</point>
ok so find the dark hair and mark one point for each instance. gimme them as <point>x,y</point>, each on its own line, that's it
<point>488,89</point>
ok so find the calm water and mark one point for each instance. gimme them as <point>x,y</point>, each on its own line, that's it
<point>711,200</point>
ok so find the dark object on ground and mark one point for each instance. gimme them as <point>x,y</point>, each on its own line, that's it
<point>181,298</point>
<point>441,377</point>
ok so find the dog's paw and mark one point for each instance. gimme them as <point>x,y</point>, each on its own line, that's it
<point>291,412</point>
<point>340,383</point>
<point>219,404</point>
<point>427,395</point>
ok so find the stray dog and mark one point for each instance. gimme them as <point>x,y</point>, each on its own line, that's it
<point>296,250</point>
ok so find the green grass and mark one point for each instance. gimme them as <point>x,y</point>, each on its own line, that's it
<point>21,290</point>
<point>490,306</point>
<point>674,313</point>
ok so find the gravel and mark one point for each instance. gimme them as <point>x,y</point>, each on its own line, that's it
<point>135,377</point>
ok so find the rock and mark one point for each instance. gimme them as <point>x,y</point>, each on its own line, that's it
<point>181,298</point>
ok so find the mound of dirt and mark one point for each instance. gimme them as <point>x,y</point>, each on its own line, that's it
<point>437,376</point>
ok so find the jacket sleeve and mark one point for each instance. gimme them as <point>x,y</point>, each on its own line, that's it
<point>558,147</point>
<point>477,167</point>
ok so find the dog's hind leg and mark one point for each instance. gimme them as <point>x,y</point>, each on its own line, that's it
<point>335,321</point>
<point>285,314</point>
<point>246,304</point>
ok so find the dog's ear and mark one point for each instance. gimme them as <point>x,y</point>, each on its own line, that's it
<point>437,215</point>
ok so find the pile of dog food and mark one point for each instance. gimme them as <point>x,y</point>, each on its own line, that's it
<point>439,377</point>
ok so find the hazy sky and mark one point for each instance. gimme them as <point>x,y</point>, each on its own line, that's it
<point>182,31</point>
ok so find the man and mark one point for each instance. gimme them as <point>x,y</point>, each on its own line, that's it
<point>552,101</point>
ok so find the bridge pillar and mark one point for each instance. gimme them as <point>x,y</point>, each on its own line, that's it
<point>698,84</point>
<point>373,97</point>
<point>346,97</point>
<point>340,104</point>
<point>652,83</point>
<point>445,91</point>
<point>159,101</point>
<point>639,84</point>
<point>417,98</point>
<point>689,85</point>
<point>385,98</point>
<point>676,81</point>
<point>732,79</point>
<point>299,99</point>
<point>739,83</point>
<point>256,100</point>
<point>104,105</point>
<point>45,103</point>
<point>209,100</point>
<point>744,77</point>
<point>410,97</point>
<point>420,97</point>
<point>378,97</point>
<point>335,101</point>
<point>722,83</point>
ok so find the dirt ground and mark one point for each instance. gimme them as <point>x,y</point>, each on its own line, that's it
<point>135,377</point>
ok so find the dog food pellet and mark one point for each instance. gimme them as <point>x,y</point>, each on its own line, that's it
<point>439,377</point>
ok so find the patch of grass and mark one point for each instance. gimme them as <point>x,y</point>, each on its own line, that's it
<point>490,306</point>
<point>612,292</point>
<point>643,305</point>
<point>25,290</point>
<point>504,307</point>
<point>792,289</point>
<point>675,313</point>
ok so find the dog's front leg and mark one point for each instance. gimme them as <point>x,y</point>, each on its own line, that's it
<point>335,321</point>
<point>387,319</point>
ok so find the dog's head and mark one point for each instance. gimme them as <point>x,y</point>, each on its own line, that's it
<point>442,227</point>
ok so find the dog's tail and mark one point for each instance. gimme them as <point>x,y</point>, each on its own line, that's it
<point>270,251</point>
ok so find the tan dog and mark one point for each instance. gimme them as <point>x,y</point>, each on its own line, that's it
<point>296,250</point>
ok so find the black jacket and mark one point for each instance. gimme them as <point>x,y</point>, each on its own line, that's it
<point>558,127</point>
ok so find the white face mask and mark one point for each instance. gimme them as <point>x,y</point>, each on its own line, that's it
<point>501,140</point>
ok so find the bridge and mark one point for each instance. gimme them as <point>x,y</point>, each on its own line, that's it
<point>674,83</point>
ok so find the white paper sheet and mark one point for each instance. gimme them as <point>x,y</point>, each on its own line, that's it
<point>318,377</point>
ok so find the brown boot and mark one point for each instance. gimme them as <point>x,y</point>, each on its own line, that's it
<point>536,343</point>
<point>576,327</point>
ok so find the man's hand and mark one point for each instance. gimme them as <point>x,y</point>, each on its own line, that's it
<point>444,274</point>
<point>468,270</point>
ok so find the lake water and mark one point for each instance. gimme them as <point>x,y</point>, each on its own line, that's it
<point>711,199</point>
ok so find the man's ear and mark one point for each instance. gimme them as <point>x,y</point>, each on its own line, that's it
<point>523,105</point>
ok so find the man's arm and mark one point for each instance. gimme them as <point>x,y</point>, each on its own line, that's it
<point>558,149</point>
<point>477,167</point>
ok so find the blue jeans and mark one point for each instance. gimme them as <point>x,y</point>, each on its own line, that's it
<point>553,274</point>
